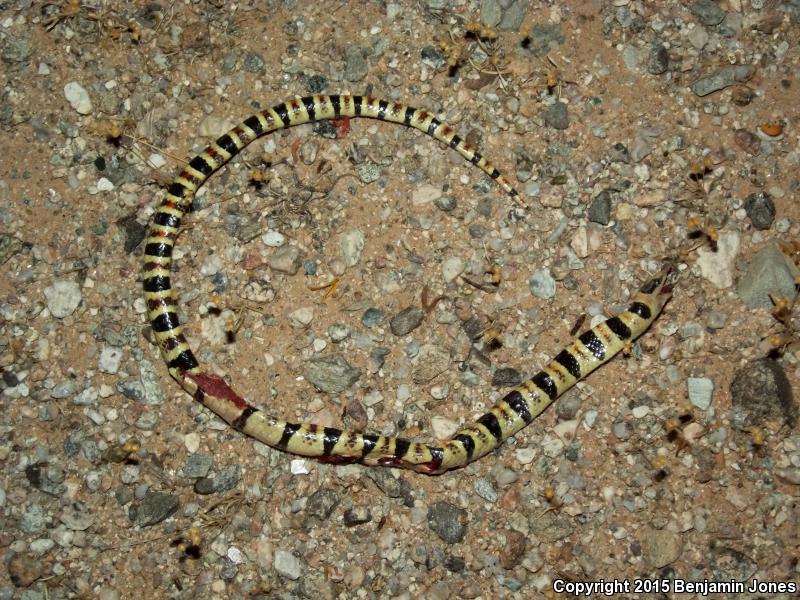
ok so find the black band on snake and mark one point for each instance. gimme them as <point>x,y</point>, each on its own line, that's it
<point>518,408</point>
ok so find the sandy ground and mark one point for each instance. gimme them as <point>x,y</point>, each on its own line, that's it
<point>115,484</point>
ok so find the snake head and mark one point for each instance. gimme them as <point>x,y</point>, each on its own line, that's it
<point>658,289</point>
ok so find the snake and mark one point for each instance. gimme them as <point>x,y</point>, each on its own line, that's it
<point>514,411</point>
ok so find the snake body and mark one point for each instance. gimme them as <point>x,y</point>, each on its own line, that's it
<point>509,415</point>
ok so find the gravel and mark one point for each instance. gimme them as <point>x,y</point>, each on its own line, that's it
<point>331,374</point>
<point>62,297</point>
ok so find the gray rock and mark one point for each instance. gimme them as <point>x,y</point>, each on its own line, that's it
<point>698,37</point>
<point>197,465</point>
<point>368,171</point>
<point>445,203</point>
<point>77,517</point>
<point>491,13</point>
<point>49,480</point>
<point>78,98</point>
<point>722,78</point>
<point>641,146</point>
<point>478,231</point>
<point>62,297</point>
<point>355,63</point>
<point>619,152</point>
<point>485,489</point>
<point>109,360</point>
<point>631,58</point>
<point>227,479</point>
<point>447,521</point>
<point>658,59</point>
<point>351,245</point>
<point>332,373</point>
<point>338,332</point>
<point>453,266</point>
<point>287,259</point>
<point>556,116</point>
<point>392,486</point>
<point>550,527</point>
<point>542,285</point>
<point>153,509</point>
<point>768,273</point>
<point>287,564</point>
<point>377,358</point>
<point>322,503</point>
<point>432,360</point>
<point>514,15</point>
<point>301,317</point>
<point>152,394</point>
<point>708,12</point>
<point>372,317</point>
<point>506,377</point>
<point>543,38</point>
<point>567,406</point>
<point>661,547</point>
<point>761,209</point>
<point>599,210</point>
<point>432,57</point>
<point>761,392</point>
<point>716,319</point>
<point>9,246</point>
<point>406,321</point>
<point>316,84</point>
<point>729,564</point>
<point>358,515</point>
<point>131,389</point>
<point>204,486</point>
<point>254,63</point>
<point>32,519</point>
<point>16,49</point>
<point>701,390</point>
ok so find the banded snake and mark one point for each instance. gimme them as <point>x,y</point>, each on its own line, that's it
<point>509,415</point>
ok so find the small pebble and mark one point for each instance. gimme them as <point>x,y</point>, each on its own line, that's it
<point>747,141</point>
<point>447,521</point>
<point>301,317</point>
<point>658,60</point>
<point>542,285</point>
<point>443,428</point>
<point>78,98</point>
<point>406,321</point>
<point>452,267</point>
<point>761,209</point>
<point>62,297</point>
<point>485,490</point>
<point>287,564</point>
<point>700,391</point>
<point>331,373</point>
<point>557,116</point>
<point>110,359</point>
<point>338,332</point>
<point>373,317</point>
<point>351,245</point>
<point>425,194</point>
<point>525,456</point>
<point>661,547</point>
<point>358,515</point>
<point>273,239</point>
<point>287,259</point>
